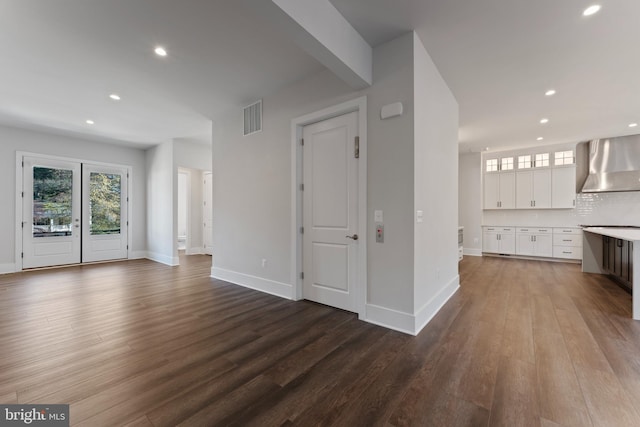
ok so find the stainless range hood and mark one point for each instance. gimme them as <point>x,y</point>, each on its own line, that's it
<point>614,165</point>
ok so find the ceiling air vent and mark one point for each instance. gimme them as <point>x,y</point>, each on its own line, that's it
<point>253,118</point>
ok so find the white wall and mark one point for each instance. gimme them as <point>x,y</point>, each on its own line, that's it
<point>252,182</point>
<point>13,140</point>
<point>391,178</point>
<point>161,204</point>
<point>436,188</point>
<point>470,201</point>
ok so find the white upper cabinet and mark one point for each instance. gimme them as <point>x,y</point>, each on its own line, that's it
<point>499,190</point>
<point>563,192</point>
<point>533,189</point>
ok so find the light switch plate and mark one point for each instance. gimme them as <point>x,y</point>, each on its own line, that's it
<point>419,216</point>
<point>377,216</point>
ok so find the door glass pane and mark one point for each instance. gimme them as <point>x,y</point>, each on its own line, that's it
<point>105,202</point>
<point>52,202</point>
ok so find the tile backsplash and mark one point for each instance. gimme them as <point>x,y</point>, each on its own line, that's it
<point>591,208</point>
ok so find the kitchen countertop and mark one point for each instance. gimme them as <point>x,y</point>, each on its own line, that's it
<point>631,234</point>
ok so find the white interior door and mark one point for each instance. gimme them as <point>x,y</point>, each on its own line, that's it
<point>330,212</point>
<point>104,219</point>
<point>208,214</point>
<point>51,212</point>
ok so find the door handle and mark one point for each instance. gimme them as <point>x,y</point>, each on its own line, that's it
<point>354,237</point>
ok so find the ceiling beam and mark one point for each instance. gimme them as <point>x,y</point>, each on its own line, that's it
<point>319,29</point>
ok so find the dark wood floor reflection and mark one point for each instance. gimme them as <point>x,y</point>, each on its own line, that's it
<point>138,343</point>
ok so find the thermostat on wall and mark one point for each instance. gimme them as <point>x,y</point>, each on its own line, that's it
<point>391,110</point>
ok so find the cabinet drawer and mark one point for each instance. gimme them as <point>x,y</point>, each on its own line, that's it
<point>507,230</point>
<point>574,240</point>
<point>567,252</point>
<point>534,230</point>
<point>567,230</point>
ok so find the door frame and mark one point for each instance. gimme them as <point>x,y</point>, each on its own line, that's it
<point>187,243</point>
<point>19,245</point>
<point>297,125</point>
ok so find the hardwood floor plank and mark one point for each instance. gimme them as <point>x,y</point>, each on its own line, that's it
<point>559,392</point>
<point>514,404</point>
<point>608,402</point>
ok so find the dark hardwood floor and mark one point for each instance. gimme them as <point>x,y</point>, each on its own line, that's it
<point>523,343</point>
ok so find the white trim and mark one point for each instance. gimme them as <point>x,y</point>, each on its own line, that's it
<point>8,268</point>
<point>472,252</point>
<point>20,205</point>
<point>433,306</point>
<point>194,251</point>
<point>163,259</point>
<point>359,105</point>
<point>189,237</point>
<point>272,287</point>
<point>389,318</point>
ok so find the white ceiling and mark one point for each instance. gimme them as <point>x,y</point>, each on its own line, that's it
<point>500,56</point>
<point>61,59</point>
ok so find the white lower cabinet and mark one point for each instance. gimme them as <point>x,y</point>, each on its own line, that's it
<point>567,243</point>
<point>498,240</point>
<point>544,242</point>
<point>534,241</point>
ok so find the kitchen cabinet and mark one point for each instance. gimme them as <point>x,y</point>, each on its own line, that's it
<point>617,259</point>
<point>498,240</point>
<point>499,190</point>
<point>534,241</point>
<point>567,243</point>
<point>533,189</point>
<point>563,187</point>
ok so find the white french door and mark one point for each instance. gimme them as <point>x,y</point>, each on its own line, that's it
<point>104,213</point>
<point>72,212</point>
<point>51,212</point>
<point>330,212</point>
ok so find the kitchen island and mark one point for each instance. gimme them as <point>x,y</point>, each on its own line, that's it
<point>595,261</point>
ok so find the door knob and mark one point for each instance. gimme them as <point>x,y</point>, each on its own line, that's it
<point>354,237</point>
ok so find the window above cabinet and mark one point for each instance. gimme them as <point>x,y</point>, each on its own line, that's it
<point>542,160</point>
<point>564,158</point>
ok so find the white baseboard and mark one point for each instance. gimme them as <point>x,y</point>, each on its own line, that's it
<point>389,318</point>
<point>433,306</point>
<point>8,268</point>
<point>408,323</point>
<point>137,254</point>
<point>472,252</point>
<point>195,251</point>
<point>163,259</point>
<point>268,286</point>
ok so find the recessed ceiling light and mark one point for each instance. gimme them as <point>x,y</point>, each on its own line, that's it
<point>591,10</point>
<point>539,138</point>
<point>160,51</point>
<point>90,122</point>
<point>550,92</point>
<point>632,125</point>
<point>485,149</point>
<point>544,121</point>
<point>115,97</point>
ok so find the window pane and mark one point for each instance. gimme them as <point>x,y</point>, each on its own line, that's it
<point>52,202</point>
<point>105,202</point>
<point>564,158</point>
<point>524,162</point>
<point>506,163</point>
<point>542,160</point>
<point>492,165</point>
